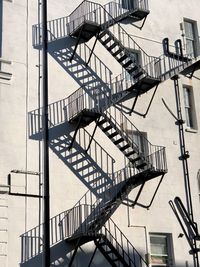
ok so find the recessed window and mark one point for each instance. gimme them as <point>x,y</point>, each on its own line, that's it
<point>135,55</point>
<point>191,37</point>
<point>128,4</point>
<point>138,138</point>
<point>161,250</point>
<point>190,114</point>
<point>198,181</point>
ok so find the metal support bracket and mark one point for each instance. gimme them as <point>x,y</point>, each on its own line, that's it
<point>97,35</point>
<point>192,73</point>
<point>145,114</point>
<point>138,195</point>
<point>74,253</point>
<point>134,103</point>
<point>92,257</point>
<point>76,131</point>
<point>143,22</point>
<point>151,202</point>
<point>77,43</point>
<point>92,137</point>
<point>150,103</point>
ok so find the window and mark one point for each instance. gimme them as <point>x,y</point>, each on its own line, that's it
<point>189,105</point>
<point>198,181</point>
<point>161,250</point>
<point>140,139</point>
<point>136,56</point>
<point>127,4</point>
<point>191,36</point>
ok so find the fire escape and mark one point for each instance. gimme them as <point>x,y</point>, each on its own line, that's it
<point>90,219</point>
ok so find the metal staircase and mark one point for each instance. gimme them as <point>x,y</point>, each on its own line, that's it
<point>140,66</point>
<point>89,18</point>
<point>70,227</point>
<point>108,190</point>
<point>128,143</point>
<point>90,219</point>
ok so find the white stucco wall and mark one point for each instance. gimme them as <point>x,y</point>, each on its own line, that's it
<point>18,151</point>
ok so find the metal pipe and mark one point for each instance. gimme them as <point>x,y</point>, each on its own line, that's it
<point>46,217</point>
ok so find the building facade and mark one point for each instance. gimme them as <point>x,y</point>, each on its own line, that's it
<point>124,135</point>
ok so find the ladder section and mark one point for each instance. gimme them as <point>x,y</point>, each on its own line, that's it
<point>89,18</point>
<point>142,68</point>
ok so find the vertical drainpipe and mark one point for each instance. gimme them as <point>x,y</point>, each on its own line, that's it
<point>46,225</point>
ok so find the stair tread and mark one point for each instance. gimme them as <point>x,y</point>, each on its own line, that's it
<point>136,159</point>
<point>106,41</point>
<point>112,46</point>
<point>133,69</point>
<point>122,58</point>
<point>124,147</point>
<point>112,135</point>
<point>130,153</point>
<point>118,141</point>
<point>143,164</point>
<point>102,122</point>
<point>102,34</point>
<point>117,52</point>
<point>107,128</point>
<point>138,74</point>
<point>127,64</point>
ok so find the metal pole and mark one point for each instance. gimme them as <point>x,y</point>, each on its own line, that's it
<point>46,225</point>
<point>184,157</point>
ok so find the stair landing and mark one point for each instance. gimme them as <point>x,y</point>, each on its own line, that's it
<point>86,116</point>
<point>86,30</point>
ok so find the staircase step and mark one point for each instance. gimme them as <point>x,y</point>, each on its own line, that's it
<point>106,41</point>
<point>102,244</point>
<point>124,147</point>
<point>117,52</point>
<point>112,46</point>
<point>84,167</point>
<point>141,165</point>
<point>112,135</point>
<point>118,141</point>
<point>136,159</point>
<point>107,128</point>
<point>102,34</point>
<point>137,75</point>
<point>130,153</point>
<point>133,69</point>
<point>127,64</point>
<point>101,122</point>
<point>122,58</point>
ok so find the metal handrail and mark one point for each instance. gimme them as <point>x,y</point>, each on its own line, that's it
<point>79,13</point>
<point>113,231</point>
<point>74,223</point>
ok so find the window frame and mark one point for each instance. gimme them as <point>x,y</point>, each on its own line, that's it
<point>189,107</point>
<point>138,54</point>
<point>169,248</point>
<point>195,39</point>
<point>128,4</point>
<point>198,183</point>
